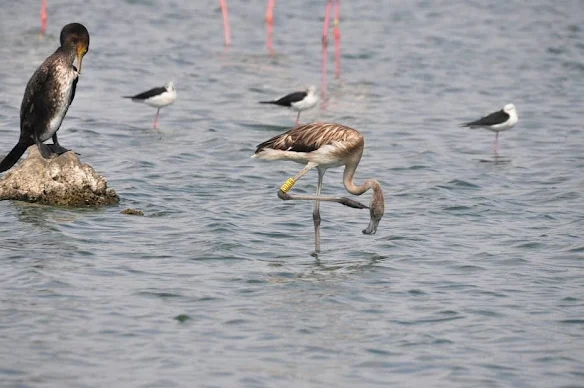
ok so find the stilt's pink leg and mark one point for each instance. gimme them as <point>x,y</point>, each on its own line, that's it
<point>269,37</point>
<point>44,17</point>
<point>496,148</point>
<point>297,118</point>
<point>270,25</point>
<point>325,46</point>
<point>226,28</point>
<point>337,35</point>
<point>156,119</point>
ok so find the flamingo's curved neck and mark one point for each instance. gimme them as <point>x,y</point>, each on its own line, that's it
<point>377,205</point>
<point>349,175</point>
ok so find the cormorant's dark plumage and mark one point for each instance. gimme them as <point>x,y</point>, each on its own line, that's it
<point>48,94</point>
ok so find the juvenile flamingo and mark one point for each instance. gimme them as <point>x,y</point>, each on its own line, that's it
<point>324,146</point>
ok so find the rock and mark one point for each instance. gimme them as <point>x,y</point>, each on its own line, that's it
<point>62,180</point>
<point>132,212</point>
<point>182,318</point>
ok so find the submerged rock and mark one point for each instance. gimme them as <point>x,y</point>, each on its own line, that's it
<point>62,180</point>
<point>132,212</point>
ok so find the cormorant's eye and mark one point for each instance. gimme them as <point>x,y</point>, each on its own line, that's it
<point>75,40</point>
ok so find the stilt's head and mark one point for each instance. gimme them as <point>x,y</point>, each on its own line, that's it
<point>170,87</point>
<point>513,116</point>
<point>509,108</point>
<point>376,208</point>
<point>311,89</point>
<point>75,37</point>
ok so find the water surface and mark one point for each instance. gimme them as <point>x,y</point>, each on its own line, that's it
<point>474,278</point>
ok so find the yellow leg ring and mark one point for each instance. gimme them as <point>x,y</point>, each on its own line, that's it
<point>288,185</point>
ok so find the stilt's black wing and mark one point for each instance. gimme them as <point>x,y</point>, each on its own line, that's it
<point>288,99</point>
<point>490,119</point>
<point>148,94</point>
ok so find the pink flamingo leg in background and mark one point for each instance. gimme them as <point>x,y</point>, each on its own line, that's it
<point>270,25</point>
<point>325,46</point>
<point>226,28</point>
<point>337,34</point>
<point>43,17</point>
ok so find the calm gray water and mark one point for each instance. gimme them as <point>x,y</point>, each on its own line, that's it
<point>474,279</point>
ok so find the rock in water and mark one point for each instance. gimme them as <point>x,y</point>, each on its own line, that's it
<point>62,180</point>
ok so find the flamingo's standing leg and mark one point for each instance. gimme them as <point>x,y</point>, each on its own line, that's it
<point>270,25</point>
<point>290,182</point>
<point>316,212</point>
<point>337,35</point>
<point>44,17</point>
<point>226,28</point>
<point>325,46</point>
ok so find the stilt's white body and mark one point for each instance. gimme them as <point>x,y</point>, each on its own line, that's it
<point>513,119</point>
<point>160,101</point>
<point>308,102</point>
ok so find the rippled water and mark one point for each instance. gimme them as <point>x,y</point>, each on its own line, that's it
<point>475,277</point>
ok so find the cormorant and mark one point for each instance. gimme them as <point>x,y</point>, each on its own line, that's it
<point>48,94</point>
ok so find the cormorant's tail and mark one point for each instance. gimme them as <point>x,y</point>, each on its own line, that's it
<point>11,159</point>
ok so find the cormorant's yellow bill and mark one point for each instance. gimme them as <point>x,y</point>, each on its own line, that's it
<point>81,50</point>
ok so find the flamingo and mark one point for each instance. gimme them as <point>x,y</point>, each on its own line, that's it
<point>330,4</point>
<point>44,17</point>
<point>323,146</point>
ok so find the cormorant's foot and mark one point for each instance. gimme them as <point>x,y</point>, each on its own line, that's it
<point>352,203</point>
<point>45,150</point>
<point>57,149</point>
